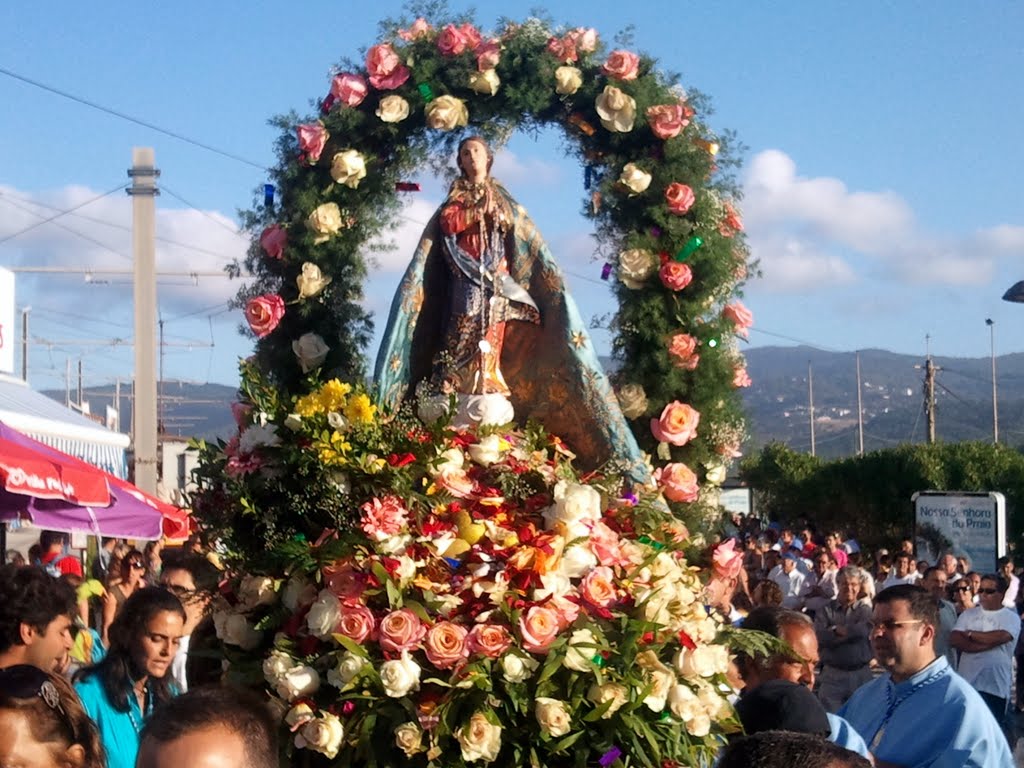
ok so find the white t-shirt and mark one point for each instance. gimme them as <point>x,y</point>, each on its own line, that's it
<point>989,671</point>
<point>1010,598</point>
<point>893,580</point>
<point>792,585</point>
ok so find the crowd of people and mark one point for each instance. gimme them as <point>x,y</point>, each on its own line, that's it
<point>892,662</point>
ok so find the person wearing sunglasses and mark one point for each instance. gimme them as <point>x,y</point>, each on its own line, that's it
<point>127,576</point>
<point>36,614</point>
<point>121,692</point>
<point>193,580</point>
<point>42,723</point>
<point>920,712</point>
<point>986,636</point>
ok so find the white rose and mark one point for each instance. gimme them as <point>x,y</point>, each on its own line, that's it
<point>480,739</point>
<point>400,676</point>
<point>323,734</point>
<point>293,421</point>
<point>276,665</point>
<point>311,281</point>
<point>298,593</point>
<point>575,509</point>
<point>236,630</point>
<point>298,682</point>
<point>634,179</point>
<point>616,109</point>
<point>608,692</point>
<point>577,561</point>
<point>485,82</point>
<point>697,663</point>
<point>348,167</point>
<point>568,80</point>
<point>409,738</point>
<point>581,651</point>
<point>487,451</point>
<point>716,707</point>
<point>299,715</point>
<point>336,421</point>
<point>636,266</point>
<point>325,221</point>
<point>552,716</point>
<point>348,669</point>
<point>518,669</point>
<point>446,113</point>
<point>699,725</point>
<point>632,400</point>
<point>393,109</point>
<point>661,682</point>
<point>324,616</point>
<point>311,350</point>
<point>716,474</point>
<point>683,702</point>
<point>341,482</point>
<point>451,460</point>
<point>255,591</point>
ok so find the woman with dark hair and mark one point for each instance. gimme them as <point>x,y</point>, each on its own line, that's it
<point>124,578</point>
<point>121,691</point>
<point>42,723</point>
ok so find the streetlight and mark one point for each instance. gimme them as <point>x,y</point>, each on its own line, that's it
<point>995,407</point>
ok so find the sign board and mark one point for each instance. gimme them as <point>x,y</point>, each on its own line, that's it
<point>736,501</point>
<point>7,313</point>
<point>971,524</point>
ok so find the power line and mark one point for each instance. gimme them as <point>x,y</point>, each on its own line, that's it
<point>176,196</point>
<point>57,216</point>
<point>129,118</point>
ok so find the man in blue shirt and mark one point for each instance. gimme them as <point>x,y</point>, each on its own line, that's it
<point>921,713</point>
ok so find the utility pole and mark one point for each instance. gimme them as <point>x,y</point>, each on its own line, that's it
<point>67,383</point>
<point>81,394</point>
<point>810,400</point>
<point>930,369</point>
<point>995,403</point>
<point>860,413</point>
<point>143,192</point>
<point>24,343</point>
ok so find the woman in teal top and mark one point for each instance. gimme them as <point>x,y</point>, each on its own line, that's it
<point>121,691</point>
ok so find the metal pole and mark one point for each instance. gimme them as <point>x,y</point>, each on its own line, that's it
<point>810,400</point>
<point>995,400</point>
<point>860,414</point>
<point>24,343</point>
<point>143,192</point>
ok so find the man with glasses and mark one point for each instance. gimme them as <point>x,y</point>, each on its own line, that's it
<point>190,581</point>
<point>920,712</point>
<point>986,636</point>
<point>842,630</point>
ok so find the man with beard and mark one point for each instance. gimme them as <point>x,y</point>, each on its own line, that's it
<point>921,713</point>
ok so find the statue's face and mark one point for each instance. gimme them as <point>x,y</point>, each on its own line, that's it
<point>473,160</point>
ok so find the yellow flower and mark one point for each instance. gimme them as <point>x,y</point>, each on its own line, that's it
<point>332,395</point>
<point>333,451</point>
<point>308,405</point>
<point>360,410</point>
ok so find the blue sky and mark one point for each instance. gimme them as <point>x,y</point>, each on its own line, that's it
<point>881,174</point>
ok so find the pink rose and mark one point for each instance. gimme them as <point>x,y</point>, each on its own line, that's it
<point>488,54</point>
<point>445,645</point>
<point>344,580</point>
<point>241,412</point>
<point>585,39</point>
<point>451,41</point>
<point>471,35</point>
<point>538,628</point>
<point>387,71</point>
<point>683,348</point>
<point>739,316</point>
<point>357,621</point>
<point>680,198</point>
<point>263,313</point>
<point>349,89</point>
<point>731,223</point>
<point>312,138</point>
<point>726,561</point>
<point>598,587</point>
<point>678,482</point>
<point>675,275</point>
<point>383,518</point>
<point>420,28</point>
<point>621,65</point>
<point>740,378</point>
<point>401,630</point>
<point>729,450</point>
<point>490,640</point>
<point>606,545</point>
<point>667,120</point>
<point>676,425</point>
<point>563,49</point>
<point>273,240</point>
<point>565,610</point>
<point>456,482</point>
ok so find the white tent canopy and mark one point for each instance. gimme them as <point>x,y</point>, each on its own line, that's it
<point>52,423</point>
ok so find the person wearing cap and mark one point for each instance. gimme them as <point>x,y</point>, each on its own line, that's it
<point>790,581</point>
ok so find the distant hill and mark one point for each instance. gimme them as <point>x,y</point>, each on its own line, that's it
<point>776,403</point>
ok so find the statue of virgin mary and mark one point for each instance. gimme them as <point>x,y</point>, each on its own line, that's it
<point>482,313</point>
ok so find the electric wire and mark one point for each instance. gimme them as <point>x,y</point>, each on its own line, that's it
<point>47,220</point>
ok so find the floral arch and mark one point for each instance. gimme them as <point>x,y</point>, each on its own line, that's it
<point>420,593</point>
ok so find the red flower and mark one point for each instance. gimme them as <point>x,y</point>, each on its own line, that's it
<point>397,461</point>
